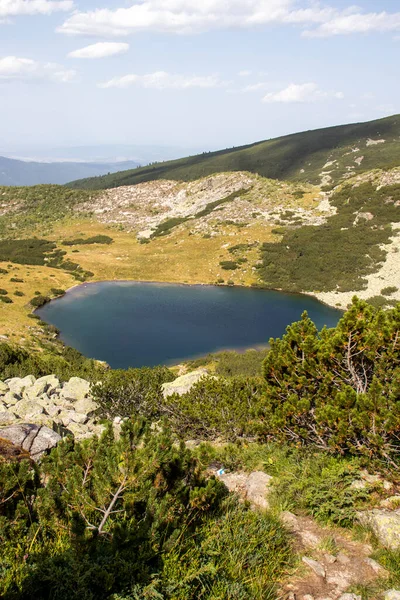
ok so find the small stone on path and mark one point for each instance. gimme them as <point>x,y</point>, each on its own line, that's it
<point>315,566</point>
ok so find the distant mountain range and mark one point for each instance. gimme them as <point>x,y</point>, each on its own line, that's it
<point>20,172</point>
<point>324,157</point>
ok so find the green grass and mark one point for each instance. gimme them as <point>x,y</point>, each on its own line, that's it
<point>281,158</point>
<point>339,254</point>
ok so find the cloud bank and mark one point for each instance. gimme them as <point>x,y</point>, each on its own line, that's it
<point>14,8</point>
<point>162,81</point>
<point>193,16</point>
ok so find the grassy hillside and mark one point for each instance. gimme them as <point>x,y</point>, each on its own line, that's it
<point>300,157</point>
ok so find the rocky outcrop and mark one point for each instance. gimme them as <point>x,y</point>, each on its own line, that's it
<point>181,385</point>
<point>35,439</point>
<point>385,524</point>
<point>253,487</point>
<point>36,413</point>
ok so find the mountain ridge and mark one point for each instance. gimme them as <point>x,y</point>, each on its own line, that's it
<point>14,172</point>
<point>304,156</point>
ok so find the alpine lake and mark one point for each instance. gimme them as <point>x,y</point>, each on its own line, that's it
<point>134,324</point>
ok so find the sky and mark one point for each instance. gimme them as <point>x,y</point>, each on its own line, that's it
<point>202,74</point>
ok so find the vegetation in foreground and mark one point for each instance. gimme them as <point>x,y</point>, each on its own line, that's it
<point>140,517</point>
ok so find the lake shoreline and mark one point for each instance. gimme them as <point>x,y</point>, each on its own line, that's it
<point>315,295</point>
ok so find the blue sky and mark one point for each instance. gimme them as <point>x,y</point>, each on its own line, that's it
<point>206,74</point>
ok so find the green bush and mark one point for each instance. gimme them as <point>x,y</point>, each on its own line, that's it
<point>389,290</point>
<point>3,292</point>
<point>19,293</point>
<point>3,272</point>
<point>229,265</point>
<point>337,389</point>
<point>39,300</point>
<point>5,299</point>
<point>16,280</point>
<point>57,291</point>
<point>216,408</point>
<point>96,239</point>
<point>131,519</point>
<point>135,391</point>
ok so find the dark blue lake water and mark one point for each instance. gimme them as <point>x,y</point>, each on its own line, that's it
<point>137,324</point>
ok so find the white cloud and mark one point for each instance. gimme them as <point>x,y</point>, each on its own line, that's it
<point>162,81</point>
<point>300,93</point>
<point>244,73</point>
<point>13,8</point>
<point>100,50</point>
<point>13,68</point>
<point>193,16</point>
<point>355,22</point>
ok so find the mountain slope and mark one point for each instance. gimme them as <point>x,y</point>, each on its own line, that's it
<point>324,156</point>
<point>19,172</point>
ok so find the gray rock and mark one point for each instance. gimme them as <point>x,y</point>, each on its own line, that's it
<point>18,384</point>
<point>52,409</point>
<point>86,406</point>
<point>70,416</point>
<point>48,383</point>
<point>3,387</point>
<point>392,595</point>
<point>252,487</point>
<point>76,388</point>
<point>44,441</point>
<point>384,524</point>
<point>391,502</point>
<point>181,385</point>
<point>314,566</point>
<point>10,398</point>
<point>350,597</point>
<point>26,409</point>
<point>7,418</point>
<point>82,432</point>
<point>375,566</point>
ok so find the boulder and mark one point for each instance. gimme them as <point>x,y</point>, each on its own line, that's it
<point>314,566</point>
<point>11,398</point>
<point>181,385</point>
<point>86,406</point>
<point>18,384</point>
<point>76,389</point>
<point>252,487</point>
<point>7,418</point>
<point>70,416</point>
<point>350,597</point>
<point>41,385</point>
<point>34,439</point>
<point>392,595</point>
<point>83,432</point>
<point>3,387</point>
<point>385,525</point>
<point>26,409</point>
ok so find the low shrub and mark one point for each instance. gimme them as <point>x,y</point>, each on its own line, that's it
<point>5,299</point>
<point>96,239</point>
<point>39,300</point>
<point>229,265</point>
<point>3,292</point>
<point>134,391</point>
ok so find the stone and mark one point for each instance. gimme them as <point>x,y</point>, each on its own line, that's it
<point>76,388</point>
<point>290,520</point>
<point>392,595</point>
<point>27,409</point>
<point>330,559</point>
<point>7,418</point>
<point>48,384</point>
<point>314,566</point>
<point>18,384</point>
<point>86,406</point>
<point>45,440</point>
<point>308,597</point>
<point>350,597</point>
<point>384,524</point>
<point>10,398</point>
<point>375,566</point>
<point>181,385</point>
<point>70,416</point>
<point>343,559</point>
<point>3,387</point>
<point>52,409</point>
<point>80,432</point>
<point>257,486</point>
<point>358,484</point>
